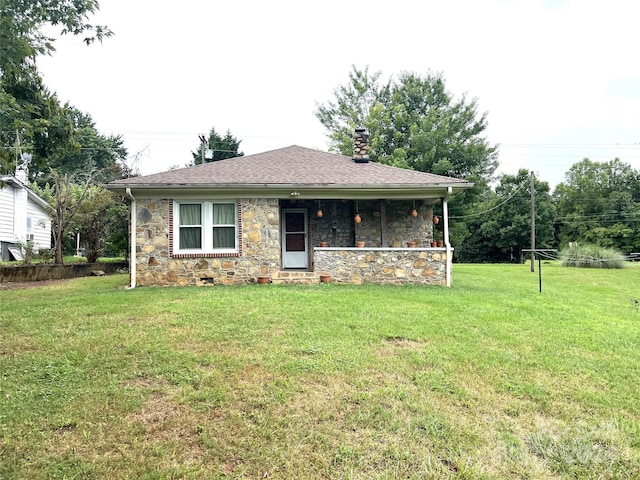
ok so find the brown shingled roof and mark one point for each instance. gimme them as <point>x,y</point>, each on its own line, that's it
<point>294,165</point>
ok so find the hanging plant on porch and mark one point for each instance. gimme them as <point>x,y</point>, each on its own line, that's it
<point>357,218</point>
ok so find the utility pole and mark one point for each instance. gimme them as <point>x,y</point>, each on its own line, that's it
<point>203,146</point>
<point>533,222</point>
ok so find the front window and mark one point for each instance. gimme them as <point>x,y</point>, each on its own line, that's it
<point>204,227</point>
<point>224,225</point>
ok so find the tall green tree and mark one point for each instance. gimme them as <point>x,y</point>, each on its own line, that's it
<point>353,107</point>
<point>27,108</point>
<point>33,117</point>
<point>92,149</point>
<point>218,147</point>
<point>23,24</point>
<point>599,202</point>
<point>415,122</point>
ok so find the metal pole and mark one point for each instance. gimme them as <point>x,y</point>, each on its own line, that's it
<point>540,273</point>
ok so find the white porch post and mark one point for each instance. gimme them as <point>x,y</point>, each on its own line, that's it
<point>132,240</point>
<point>447,244</point>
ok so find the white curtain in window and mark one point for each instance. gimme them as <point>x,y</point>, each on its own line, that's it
<point>190,237</point>
<point>190,214</point>
<point>223,214</point>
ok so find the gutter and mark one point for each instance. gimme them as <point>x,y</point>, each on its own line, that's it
<point>447,244</point>
<point>132,236</point>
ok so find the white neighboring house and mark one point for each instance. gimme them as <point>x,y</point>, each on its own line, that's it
<point>23,215</point>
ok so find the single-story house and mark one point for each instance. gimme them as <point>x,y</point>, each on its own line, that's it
<point>23,216</point>
<point>291,215</point>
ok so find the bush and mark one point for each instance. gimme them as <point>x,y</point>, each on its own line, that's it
<point>46,255</point>
<point>591,256</point>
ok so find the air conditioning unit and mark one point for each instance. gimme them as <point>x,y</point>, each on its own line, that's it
<point>30,237</point>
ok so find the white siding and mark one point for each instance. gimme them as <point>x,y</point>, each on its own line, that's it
<point>6,214</point>
<point>16,207</point>
<point>40,223</point>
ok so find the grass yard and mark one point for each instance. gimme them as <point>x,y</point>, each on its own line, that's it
<point>487,380</point>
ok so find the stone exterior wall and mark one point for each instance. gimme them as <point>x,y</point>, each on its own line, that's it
<point>338,228</point>
<point>383,266</point>
<point>401,227</point>
<point>260,252</point>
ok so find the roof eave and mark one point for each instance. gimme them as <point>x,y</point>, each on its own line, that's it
<point>11,180</point>
<point>298,191</point>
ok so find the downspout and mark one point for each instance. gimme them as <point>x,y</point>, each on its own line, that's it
<point>447,244</point>
<point>132,253</point>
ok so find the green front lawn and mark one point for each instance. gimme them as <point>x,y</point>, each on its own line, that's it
<point>488,379</point>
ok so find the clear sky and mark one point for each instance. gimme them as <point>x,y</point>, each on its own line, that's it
<point>560,80</point>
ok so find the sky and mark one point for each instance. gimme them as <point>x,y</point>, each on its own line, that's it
<point>559,79</point>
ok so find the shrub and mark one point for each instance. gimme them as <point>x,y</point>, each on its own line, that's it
<point>46,255</point>
<point>591,256</point>
<point>28,252</point>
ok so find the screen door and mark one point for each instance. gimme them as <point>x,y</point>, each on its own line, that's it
<point>295,252</point>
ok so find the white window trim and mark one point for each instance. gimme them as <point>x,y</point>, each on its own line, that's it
<point>207,228</point>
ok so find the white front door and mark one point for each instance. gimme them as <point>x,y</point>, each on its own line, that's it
<point>295,252</point>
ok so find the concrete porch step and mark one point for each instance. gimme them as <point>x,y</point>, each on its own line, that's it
<point>295,276</point>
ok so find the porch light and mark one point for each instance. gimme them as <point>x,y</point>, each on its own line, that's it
<point>319,213</point>
<point>357,218</point>
<point>436,220</point>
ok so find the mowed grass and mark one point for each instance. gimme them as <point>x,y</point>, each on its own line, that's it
<point>487,380</point>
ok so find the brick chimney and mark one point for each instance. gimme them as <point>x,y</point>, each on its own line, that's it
<point>361,146</point>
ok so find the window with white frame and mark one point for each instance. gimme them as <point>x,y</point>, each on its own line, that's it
<point>205,227</point>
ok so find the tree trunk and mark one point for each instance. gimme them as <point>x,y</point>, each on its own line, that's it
<point>59,247</point>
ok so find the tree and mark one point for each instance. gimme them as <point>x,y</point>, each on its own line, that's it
<point>58,136</point>
<point>352,108</point>
<point>415,123</point>
<point>92,148</point>
<point>220,147</point>
<point>23,23</point>
<point>99,221</point>
<point>27,108</point>
<point>65,198</point>
<point>599,202</point>
<point>32,116</point>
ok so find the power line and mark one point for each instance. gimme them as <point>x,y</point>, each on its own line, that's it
<point>489,210</point>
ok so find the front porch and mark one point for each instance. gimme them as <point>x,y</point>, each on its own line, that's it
<point>365,241</point>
